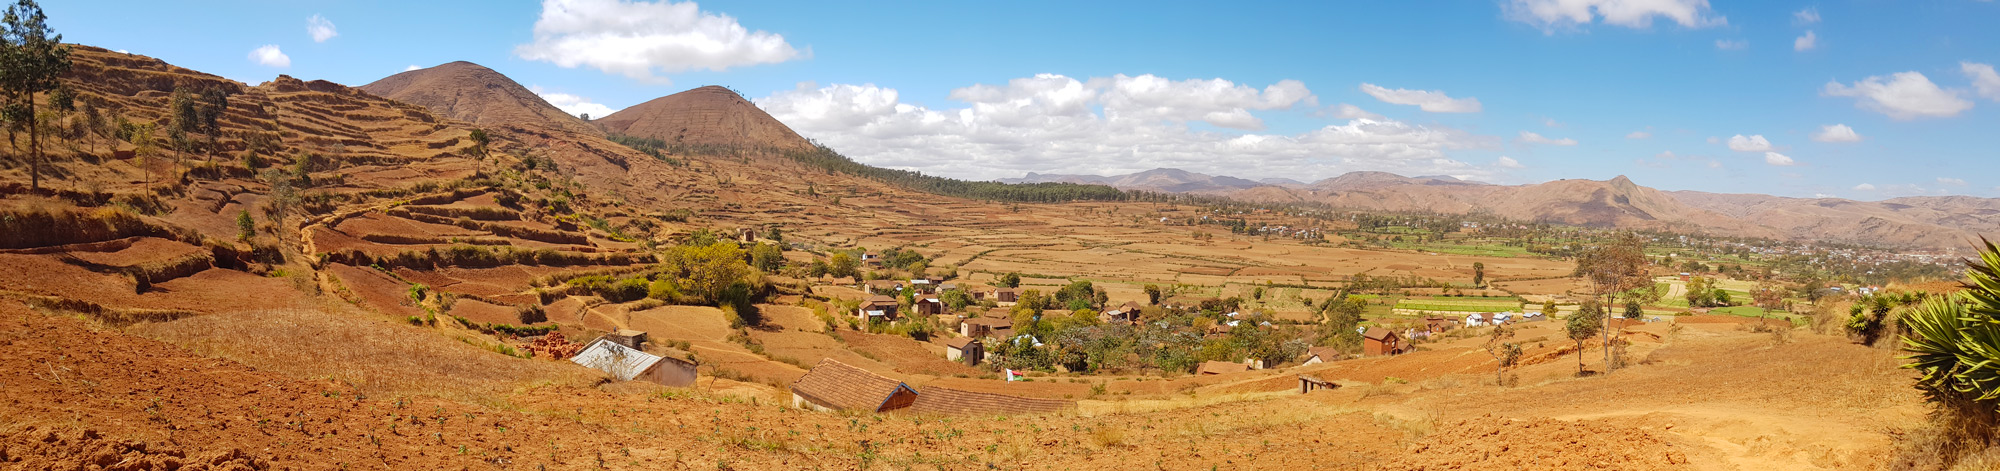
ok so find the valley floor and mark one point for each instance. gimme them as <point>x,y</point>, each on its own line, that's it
<point>75,393</point>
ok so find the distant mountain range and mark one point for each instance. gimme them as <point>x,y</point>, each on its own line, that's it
<point>1947,222</point>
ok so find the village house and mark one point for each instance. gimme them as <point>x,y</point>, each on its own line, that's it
<point>1380,341</point>
<point>878,308</point>
<point>1006,296</point>
<point>965,349</point>
<point>631,364</point>
<point>1127,313</point>
<point>1439,324</point>
<point>1317,355</point>
<point>928,305</point>
<point>834,386</point>
<point>984,327</point>
<point>633,339</point>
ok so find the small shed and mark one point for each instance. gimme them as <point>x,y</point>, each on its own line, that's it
<point>965,349</point>
<point>1380,341</point>
<point>634,339</point>
<point>1006,295</point>
<point>878,308</point>
<point>929,305</point>
<point>835,386</point>
<point>630,364</point>
<point>1127,313</point>
<point>885,287</point>
<point>981,327</point>
<point>1310,383</point>
<point>1220,367</point>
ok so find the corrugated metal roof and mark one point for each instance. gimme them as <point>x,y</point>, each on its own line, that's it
<point>620,361</point>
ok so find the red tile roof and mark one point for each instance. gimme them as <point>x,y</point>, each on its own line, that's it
<point>837,385</point>
<point>947,401</point>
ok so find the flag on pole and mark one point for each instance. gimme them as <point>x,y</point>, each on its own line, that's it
<point>1013,375</point>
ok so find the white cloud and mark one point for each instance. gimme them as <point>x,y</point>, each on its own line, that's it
<point>412,67</point>
<point>1434,101</point>
<point>1509,162</point>
<point>1825,195</point>
<point>1807,16</point>
<point>1951,181</point>
<point>1836,133</point>
<point>572,104</point>
<point>1639,135</point>
<point>1347,111</point>
<point>1552,15</point>
<point>636,39</point>
<point>122,51</point>
<point>1778,159</point>
<point>1806,43</point>
<point>320,29</point>
<point>1714,140</point>
<point>1865,187</point>
<point>1532,138</point>
<point>269,55</point>
<point>1755,143</point>
<point>1904,95</point>
<point>1732,45</point>
<point>1551,122</point>
<point>1714,164</point>
<point>1105,125</point>
<point>1984,79</point>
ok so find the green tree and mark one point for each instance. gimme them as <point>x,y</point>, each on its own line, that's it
<point>843,264</point>
<point>1010,280</point>
<point>1479,274</point>
<point>1613,268</point>
<point>1581,326</point>
<point>1504,353</point>
<point>1153,294</point>
<point>245,226</point>
<point>767,257</point>
<point>32,57</point>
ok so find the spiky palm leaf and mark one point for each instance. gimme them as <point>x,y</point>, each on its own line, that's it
<point>1955,341</point>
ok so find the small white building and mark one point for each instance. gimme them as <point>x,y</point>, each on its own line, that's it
<point>630,364</point>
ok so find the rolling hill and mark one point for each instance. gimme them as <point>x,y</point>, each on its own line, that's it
<point>475,94</point>
<point>706,116</point>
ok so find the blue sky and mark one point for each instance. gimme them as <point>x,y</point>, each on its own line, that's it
<point>1512,91</point>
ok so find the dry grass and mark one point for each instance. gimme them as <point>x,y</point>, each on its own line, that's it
<point>376,356</point>
<point>1089,408</point>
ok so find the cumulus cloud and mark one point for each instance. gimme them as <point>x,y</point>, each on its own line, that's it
<point>1639,135</point>
<point>1778,159</point>
<point>1865,187</point>
<point>1553,15</point>
<point>1807,16</point>
<point>1533,138</point>
<point>638,39</point>
<point>1105,125</point>
<point>1732,45</point>
<point>1836,133</point>
<point>269,55</point>
<point>1434,101</point>
<point>1509,162</point>
<point>572,104</point>
<point>412,67</point>
<point>1904,95</point>
<point>1984,80</point>
<point>1347,111</point>
<point>1755,143</point>
<point>320,29</point>
<point>1951,181</point>
<point>1805,43</point>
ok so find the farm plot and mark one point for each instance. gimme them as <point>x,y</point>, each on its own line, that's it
<point>1422,306</point>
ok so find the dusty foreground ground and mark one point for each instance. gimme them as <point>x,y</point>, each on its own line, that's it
<point>75,394</point>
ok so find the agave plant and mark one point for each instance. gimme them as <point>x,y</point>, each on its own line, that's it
<point>1955,341</point>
